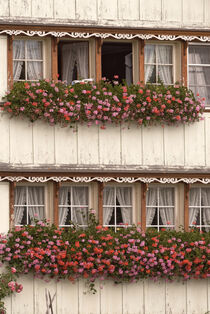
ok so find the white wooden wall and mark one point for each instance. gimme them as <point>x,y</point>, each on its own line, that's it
<point>120,13</point>
<point>37,145</point>
<point>145,297</point>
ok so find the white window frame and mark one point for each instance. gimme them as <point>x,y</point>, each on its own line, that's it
<point>43,61</point>
<point>115,186</point>
<point>168,226</point>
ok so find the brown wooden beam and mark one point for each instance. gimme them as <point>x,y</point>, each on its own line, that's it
<point>186,206</point>
<point>11,203</point>
<point>143,205</point>
<point>56,202</point>
<point>100,202</point>
<point>54,58</point>
<point>98,60</point>
<point>184,63</point>
<point>10,61</point>
<point>141,60</point>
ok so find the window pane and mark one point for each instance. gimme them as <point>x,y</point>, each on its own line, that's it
<point>108,196</point>
<point>34,70</point>
<point>65,196</point>
<point>199,54</point>
<point>36,195</point>
<point>166,196</point>
<point>165,74</point>
<point>164,54</point>
<point>149,54</point>
<point>150,74</point>
<point>203,92</point>
<point>124,196</point>
<point>34,50</point>
<point>19,70</point>
<point>167,216</point>
<point>35,212</point>
<point>107,215</point>
<point>199,75</point>
<point>64,216</point>
<point>80,215</point>
<point>18,49</point>
<point>80,195</point>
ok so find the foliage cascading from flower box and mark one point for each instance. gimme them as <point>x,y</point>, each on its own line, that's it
<point>97,252</point>
<point>102,104</point>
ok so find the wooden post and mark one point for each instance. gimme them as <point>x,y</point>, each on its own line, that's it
<point>11,203</point>
<point>100,202</point>
<point>141,44</point>
<point>54,59</point>
<point>143,205</point>
<point>56,186</point>
<point>184,63</point>
<point>98,60</point>
<point>10,61</point>
<point>186,206</point>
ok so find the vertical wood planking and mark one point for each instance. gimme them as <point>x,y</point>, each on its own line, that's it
<point>65,145</point>
<point>10,61</point>
<point>20,8</point>
<point>193,11</point>
<point>207,142</point>
<point>100,202</point>
<point>195,144</point>
<point>11,203</point>
<point>3,58</point>
<point>143,205</point>
<point>184,62</point>
<point>43,140</point>
<point>86,9</point>
<point>172,10</point>
<point>56,202</point>
<point>41,289</point>
<point>66,10</point>
<point>88,151</point>
<point>5,138</point>
<point>4,5</point>
<point>67,297</point>
<point>128,9</point>
<point>21,148</point>
<point>98,45</point>
<point>89,303</point>
<point>174,145</point>
<point>4,197</point>
<point>110,145</point>
<point>111,298</point>
<point>154,297</point>
<point>23,303</point>
<point>131,145</point>
<point>197,296</point>
<point>133,298</point>
<point>186,206</point>
<point>141,60</point>
<point>153,146</point>
<point>54,58</point>
<point>176,298</point>
<point>43,9</point>
<point>150,10</point>
<point>108,10</point>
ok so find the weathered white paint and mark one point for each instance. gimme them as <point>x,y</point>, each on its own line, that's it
<point>34,145</point>
<point>4,197</point>
<point>143,297</point>
<point>3,58</point>
<point>133,13</point>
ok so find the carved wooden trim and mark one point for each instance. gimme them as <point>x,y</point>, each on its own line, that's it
<point>186,206</point>
<point>11,203</point>
<point>141,60</point>
<point>54,58</point>
<point>143,205</point>
<point>56,186</point>
<point>10,61</point>
<point>184,62</point>
<point>98,59</point>
<point>100,202</point>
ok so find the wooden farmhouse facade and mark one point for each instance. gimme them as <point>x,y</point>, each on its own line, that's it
<point>141,41</point>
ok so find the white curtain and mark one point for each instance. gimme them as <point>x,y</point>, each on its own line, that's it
<point>166,198</point>
<point>151,200</point>
<point>64,195</point>
<point>109,200</point>
<point>164,56</point>
<point>149,58</point>
<point>80,197</point>
<point>18,53</point>
<point>205,194</point>
<point>74,53</point>
<point>128,69</point>
<point>194,201</point>
<point>34,52</point>
<point>20,199</point>
<point>36,202</point>
<point>124,198</point>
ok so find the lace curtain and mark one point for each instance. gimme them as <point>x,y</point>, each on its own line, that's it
<point>128,69</point>
<point>194,201</point>
<point>124,198</point>
<point>205,196</point>
<point>18,53</point>
<point>74,53</point>
<point>109,200</point>
<point>151,200</point>
<point>71,196</point>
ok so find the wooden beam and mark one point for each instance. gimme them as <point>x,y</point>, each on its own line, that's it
<point>100,202</point>
<point>143,205</point>
<point>56,187</point>
<point>11,203</point>
<point>10,61</point>
<point>98,60</point>
<point>184,62</point>
<point>141,44</point>
<point>186,206</point>
<point>54,58</point>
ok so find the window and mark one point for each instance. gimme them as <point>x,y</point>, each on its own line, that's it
<point>27,60</point>
<point>160,206</point>
<point>159,64</point>
<point>73,205</point>
<point>73,60</point>
<point>199,208</point>
<point>117,206</point>
<point>117,60</point>
<point>29,203</point>
<point>199,70</point>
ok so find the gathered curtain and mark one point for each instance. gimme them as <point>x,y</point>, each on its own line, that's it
<point>205,195</point>
<point>166,196</point>
<point>20,199</point>
<point>18,53</point>
<point>194,201</point>
<point>125,199</point>
<point>151,200</point>
<point>109,201</point>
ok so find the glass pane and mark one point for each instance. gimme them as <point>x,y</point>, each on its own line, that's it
<point>80,215</point>
<point>199,54</point>
<point>164,54</point>
<point>167,216</point>
<point>155,219</point>
<point>34,50</point>
<point>19,70</point>
<point>64,216</point>
<point>151,197</point>
<point>20,215</point>
<point>108,215</point>
<point>108,196</point>
<point>124,196</point>
<point>36,195</point>
<point>150,74</point>
<point>165,74</point>
<point>65,196</point>
<point>36,212</point>
<point>18,49</point>
<point>20,195</point>
<point>149,54</point>
<point>34,70</point>
<point>199,75</point>
<point>80,195</point>
<point>166,196</point>
<point>203,92</point>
